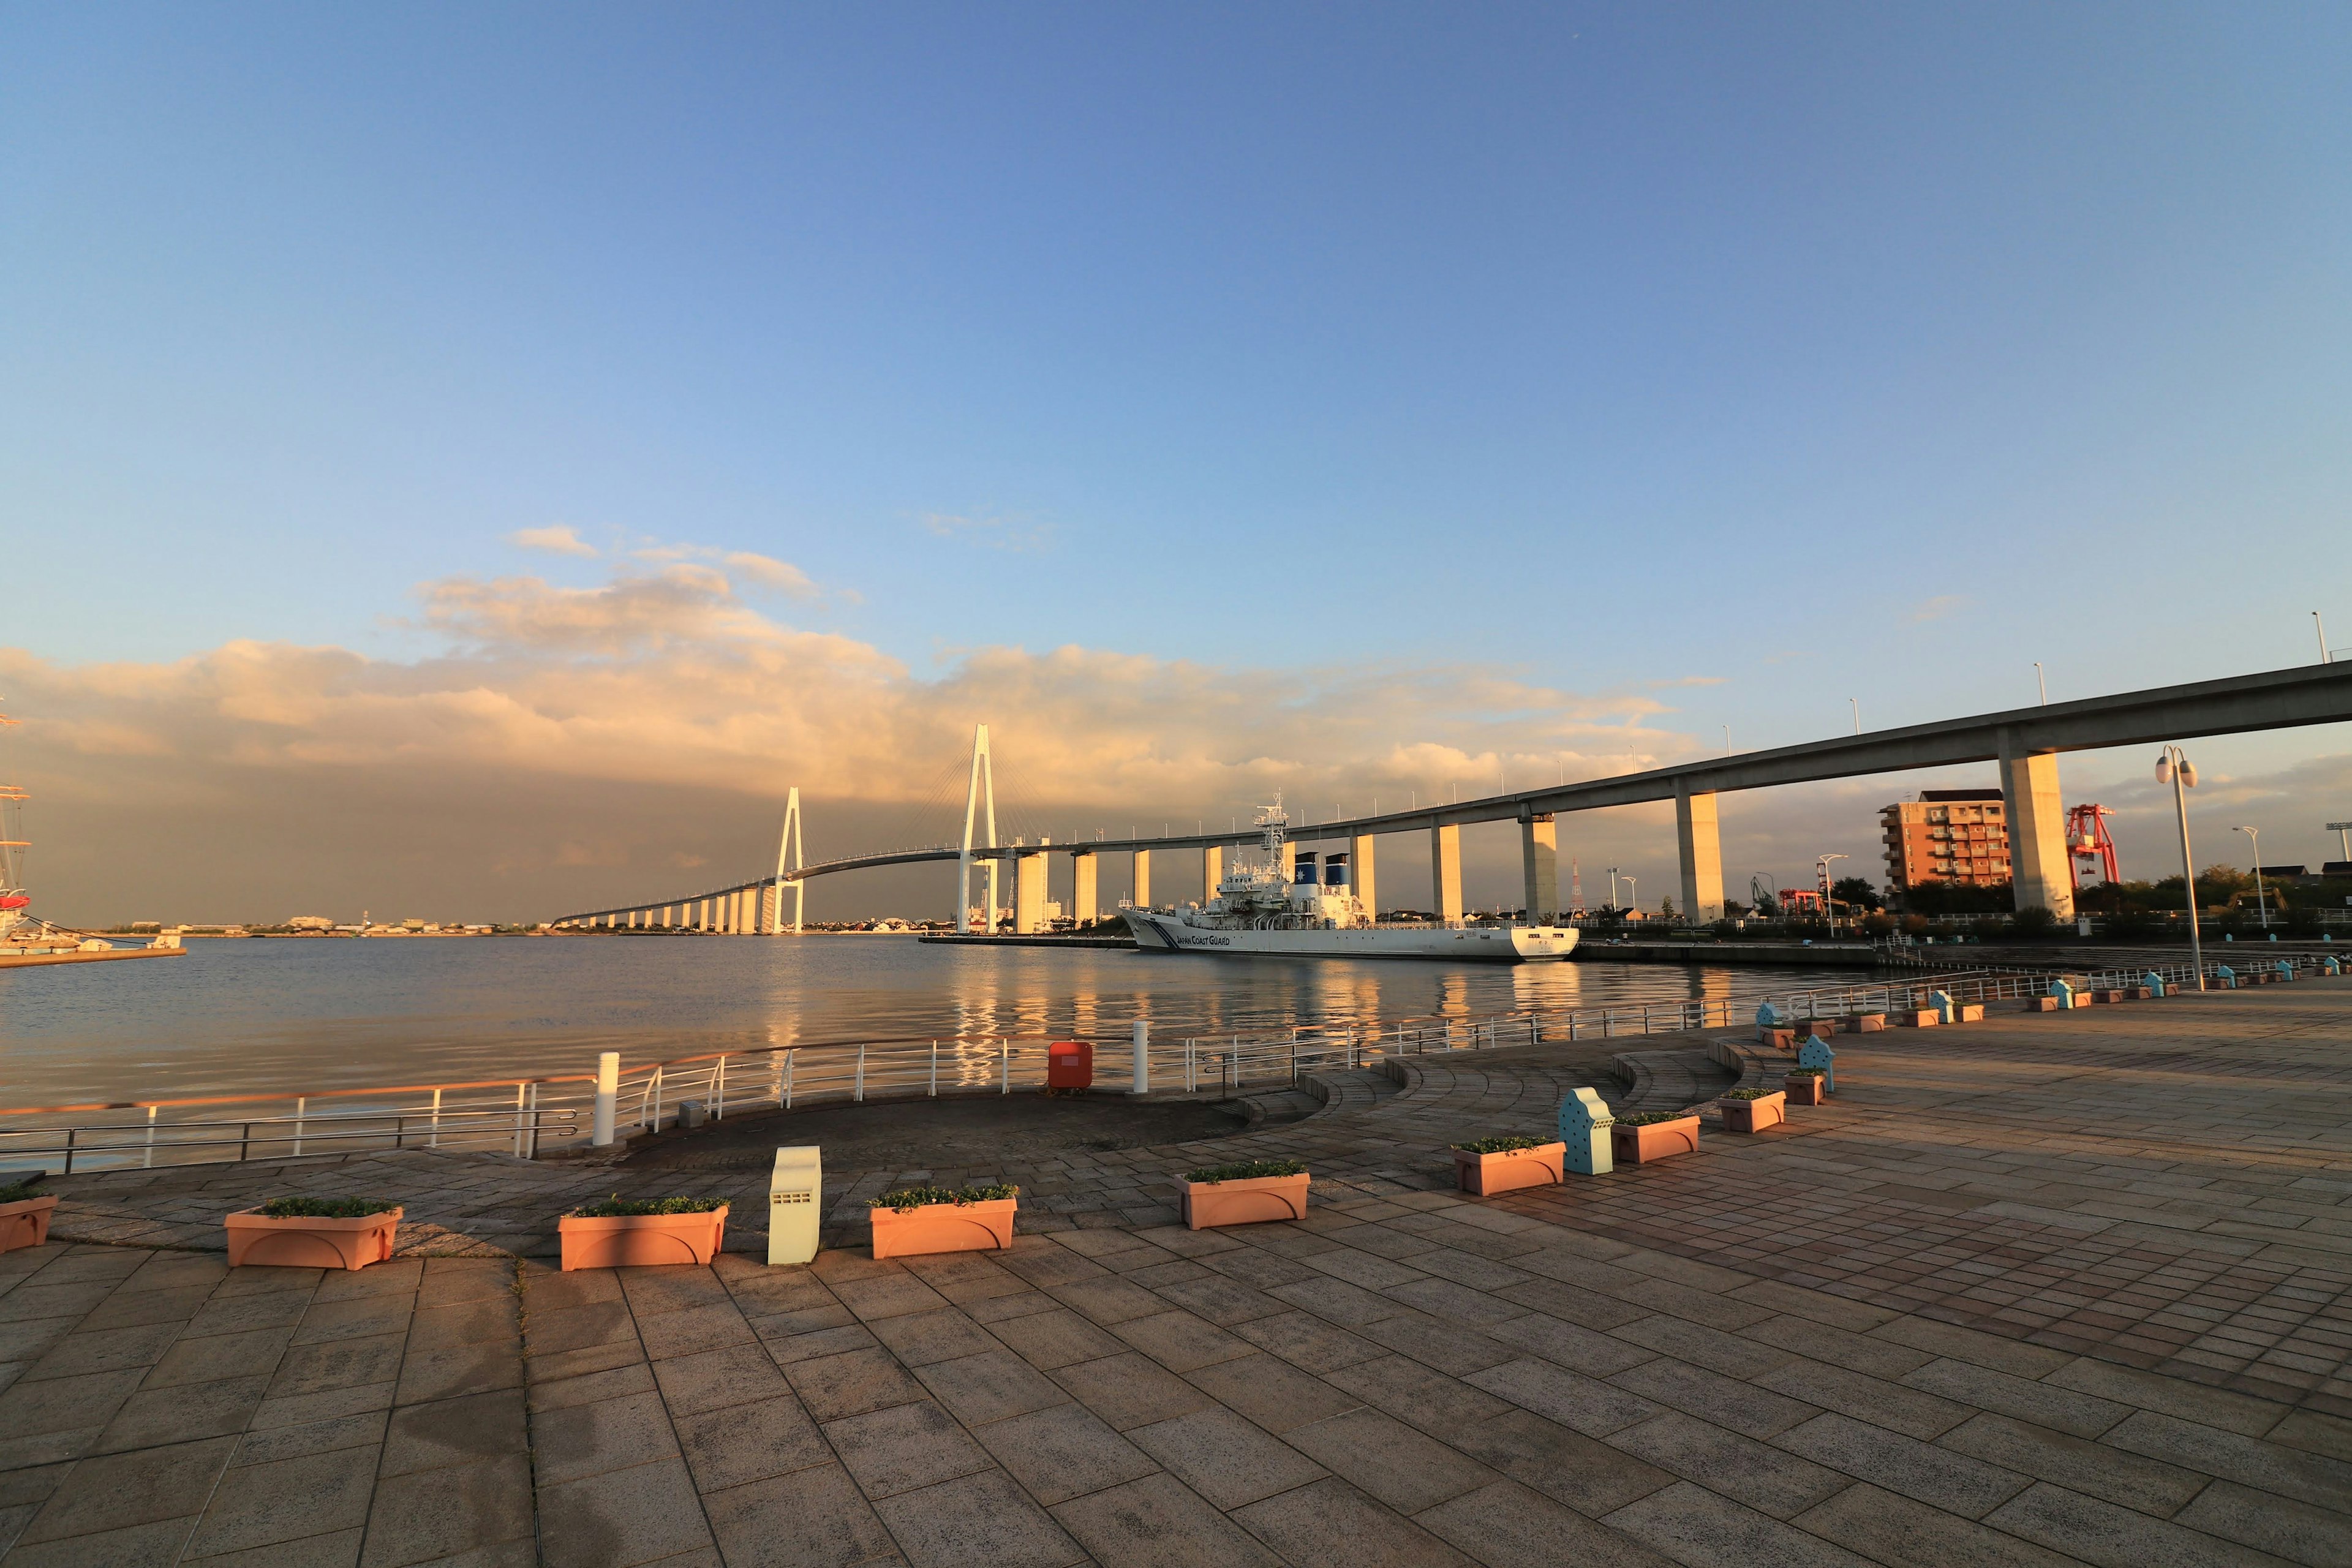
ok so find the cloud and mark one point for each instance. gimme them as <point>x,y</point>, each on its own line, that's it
<point>1025,537</point>
<point>1937,609</point>
<point>762,571</point>
<point>557,539</point>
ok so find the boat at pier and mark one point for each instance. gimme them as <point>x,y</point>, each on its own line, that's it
<point>1308,910</point>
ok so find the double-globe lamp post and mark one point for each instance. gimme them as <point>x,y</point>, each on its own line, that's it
<point>2178,770</point>
<point>2261,907</point>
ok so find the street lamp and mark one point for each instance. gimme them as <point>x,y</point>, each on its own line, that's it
<point>1612,890</point>
<point>1633,892</point>
<point>1857,713</point>
<point>1822,874</point>
<point>2260,908</point>
<point>2175,769</point>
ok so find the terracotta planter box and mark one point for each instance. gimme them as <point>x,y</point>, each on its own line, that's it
<point>637,1240</point>
<point>983,1227</point>
<point>1869,1023</point>
<point>1916,1018</point>
<point>2138,992</point>
<point>1208,1204</point>
<point>1824,1027</point>
<point>1778,1039</point>
<point>1486,1174</point>
<point>1754,1115</point>
<point>1806,1090</point>
<point>1970,1012</point>
<point>1653,1141</point>
<point>25,1222</point>
<point>2111,998</point>
<point>257,1240</point>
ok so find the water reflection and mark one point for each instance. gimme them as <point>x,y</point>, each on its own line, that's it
<point>285,1016</point>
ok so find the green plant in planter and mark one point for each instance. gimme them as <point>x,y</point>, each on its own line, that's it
<point>30,1187</point>
<point>1502,1145</point>
<point>905,1200</point>
<point>618,1208</point>
<point>1803,1072</point>
<point>1750,1093</point>
<point>322,1208</point>
<point>1650,1118</point>
<point>1248,1171</point>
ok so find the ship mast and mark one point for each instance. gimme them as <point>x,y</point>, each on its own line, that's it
<point>13,845</point>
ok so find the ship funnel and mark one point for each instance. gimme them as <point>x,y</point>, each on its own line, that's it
<point>1305,871</point>
<point>1335,871</point>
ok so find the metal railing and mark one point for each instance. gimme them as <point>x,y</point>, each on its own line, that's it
<point>529,1117</point>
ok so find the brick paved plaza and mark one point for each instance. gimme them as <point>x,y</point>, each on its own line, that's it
<point>2053,1288</point>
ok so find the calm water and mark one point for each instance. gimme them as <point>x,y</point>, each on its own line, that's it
<point>280,1016</point>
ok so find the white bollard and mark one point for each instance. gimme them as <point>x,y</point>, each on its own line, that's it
<point>1142,1059</point>
<point>608,1090</point>
<point>795,1193</point>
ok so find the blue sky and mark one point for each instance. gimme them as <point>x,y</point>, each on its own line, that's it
<point>1812,352</point>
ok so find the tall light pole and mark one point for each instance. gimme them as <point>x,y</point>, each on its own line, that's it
<point>2260,908</point>
<point>2343,830</point>
<point>2321,628</point>
<point>1821,875</point>
<point>1612,890</point>
<point>1634,893</point>
<point>2042,682</point>
<point>2176,770</point>
<point>1857,713</point>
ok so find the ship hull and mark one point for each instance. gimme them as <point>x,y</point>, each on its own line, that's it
<point>1158,932</point>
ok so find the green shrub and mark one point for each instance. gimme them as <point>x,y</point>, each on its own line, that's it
<point>1502,1145</point>
<point>1750,1093</point>
<point>324,1208</point>
<point>30,1187</point>
<point>1649,1118</point>
<point>1248,1171</point>
<point>1803,1072</point>
<point>618,1208</point>
<point>905,1200</point>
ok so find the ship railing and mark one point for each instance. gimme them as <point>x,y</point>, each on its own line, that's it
<point>530,1117</point>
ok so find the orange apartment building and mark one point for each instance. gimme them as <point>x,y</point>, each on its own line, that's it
<point>1948,835</point>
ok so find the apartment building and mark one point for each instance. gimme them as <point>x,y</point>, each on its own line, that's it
<point>1947,835</point>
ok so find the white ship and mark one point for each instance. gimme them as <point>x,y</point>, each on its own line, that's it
<point>1311,913</point>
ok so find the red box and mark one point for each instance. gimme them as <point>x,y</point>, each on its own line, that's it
<point>1070,1064</point>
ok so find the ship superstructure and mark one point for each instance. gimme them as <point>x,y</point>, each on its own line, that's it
<point>1301,904</point>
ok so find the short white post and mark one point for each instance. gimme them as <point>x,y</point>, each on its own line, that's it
<point>861,1074</point>
<point>147,1161</point>
<point>935,1069</point>
<point>434,1141</point>
<point>608,1088</point>
<point>1004,1060</point>
<point>1142,1084</point>
<point>518,1136</point>
<point>299,1103</point>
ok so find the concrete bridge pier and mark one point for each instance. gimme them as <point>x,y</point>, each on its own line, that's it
<point>2041,872</point>
<point>1086,902</point>
<point>1699,836</point>
<point>1540,866</point>
<point>1360,873</point>
<point>1445,870</point>
<point>1029,893</point>
<point>1213,870</point>
<point>1142,896</point>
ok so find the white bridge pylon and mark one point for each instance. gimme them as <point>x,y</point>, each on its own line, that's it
<point>979,801</point>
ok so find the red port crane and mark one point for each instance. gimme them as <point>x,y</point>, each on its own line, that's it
<point>2089,845</point>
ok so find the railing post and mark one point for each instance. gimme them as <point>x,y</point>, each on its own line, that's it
<point>1294,1058</point>
<point>532,1153</point>
<point>301,1103</point>
<point>147,1160</point>
<point>244,1145</point>
<point>935,1069</point>
<point>718,1088</point>
<point>787,1079</point>
<point>519,1089</point>
<point>861,1072</point>
<point>69,1149</point>
<point>608,1090</point>
<point>1004,1066</point>
<point>1141,1083</point>
<point>1192,1078</point>
<point>433,1139</point>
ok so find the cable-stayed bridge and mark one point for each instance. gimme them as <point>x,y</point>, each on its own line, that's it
<point>2025,741</point>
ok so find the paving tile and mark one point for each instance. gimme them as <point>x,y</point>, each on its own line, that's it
<point>1272,1392</point>
<point>2043,1404</point>
<point>286,1501</point>
<point>1744,1407</point>
<point>2012,1356</point>
<point>154,1545</point>
<point>1581,1403</point>
<point>1418,1396</point>
<point>460,1431</point>
<point>492,1318</point>
<point>2096,1469</point>
<point>335,1548</point>
<point>1764,1478</point>
<point>1698,1528</point>
<point>1896,1531</point>
<point>1941,1477</point>
<point>2238,1412</point>
<point>303,1409</point>
<point>2249,1461</point>
<point>1338,1301</point>
<point>1180,1342</point>
<point>1387,1459</point>
<point>990,1388</point>
<point>744,1443</point>
<point>1108,1300</point>
<point>1056,1337</point>
<point>1889,1404</point>
<point>1225,1458</point>
<point>1129,1390</point>
<point>339,1364</point>
<point>1218,1299</point>
<point>117,1491</point>
<point>813,1518</point>
<point>979,1521</point>
<point>693,1329</point>
<point>1158,1522</point>
<point>1714,1349</point>
<point>1571,1345</point>
<point>617,1519</point>
<point>1063,1452</point>
<point>80,1353</point>
<point>2320,1538</point>
<point>454,1369</point>
<point>715,1380</point>
<point>852,1384</point>
<point>918,1339</point>
<point>1445,1347</point>
<point>1307,1342</point>
<point>362,1431</point>
<point>1839,1347</point>
<point>1506,1525</point>
<point>904,1448</point>
<point>253,1353</point>
<point>1330,1524</point>
<point>352,1320</point>
<point>577,1440</point>
<point>619,1382</point>
<point>888,1296</point>
<point>2111,1537</point>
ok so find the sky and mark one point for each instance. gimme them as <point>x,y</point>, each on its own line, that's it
<point>468,461</point>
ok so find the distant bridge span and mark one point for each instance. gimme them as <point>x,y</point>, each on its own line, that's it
<point>2025,741</point>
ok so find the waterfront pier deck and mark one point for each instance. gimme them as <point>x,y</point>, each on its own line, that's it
<point>2051,1287</point>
